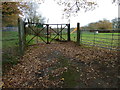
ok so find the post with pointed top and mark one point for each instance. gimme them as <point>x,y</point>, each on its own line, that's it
<point>68,32</point>
<point>78,33</point>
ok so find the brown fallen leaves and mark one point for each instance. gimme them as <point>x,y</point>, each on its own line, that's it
<point>35,68</point>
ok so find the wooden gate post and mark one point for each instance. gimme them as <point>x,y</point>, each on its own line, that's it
<point>78,33</point>
<point>47,34</point>
<point>68,32</point>
<point>61,33</point>
<point>20,41</point>
<point>24,36</point>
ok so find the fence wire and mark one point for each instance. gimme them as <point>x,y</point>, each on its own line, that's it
<point>101,38</point>
<point>10,46</point>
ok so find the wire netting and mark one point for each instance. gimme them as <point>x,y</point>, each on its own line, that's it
<point>101,38</point>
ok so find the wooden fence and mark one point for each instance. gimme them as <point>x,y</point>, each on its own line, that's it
<point>23,32</point>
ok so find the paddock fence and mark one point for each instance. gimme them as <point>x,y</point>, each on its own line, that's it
<point>109,39</point>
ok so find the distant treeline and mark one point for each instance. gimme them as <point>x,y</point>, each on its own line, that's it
<point>103,25</point>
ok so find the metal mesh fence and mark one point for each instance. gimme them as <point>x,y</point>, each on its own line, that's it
<point>10,45</point>
<point>101,38</point>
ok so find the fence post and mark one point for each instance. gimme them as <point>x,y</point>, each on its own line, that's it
<point>20,41</point>
<point>57,32</point>
<point>24,36</point>
<point>78,33</point>
<point>47,34</point>
<point>25,32</point>
<point>68,32</point>
<point>61,33</point>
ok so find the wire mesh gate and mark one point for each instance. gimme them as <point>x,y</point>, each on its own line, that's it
<point>47,33</point>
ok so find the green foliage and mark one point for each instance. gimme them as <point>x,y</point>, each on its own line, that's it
<point>102,24</point>
<point>11,12</point>
<point>116,23</point>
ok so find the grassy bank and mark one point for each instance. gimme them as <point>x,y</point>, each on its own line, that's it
<point>10,51</point>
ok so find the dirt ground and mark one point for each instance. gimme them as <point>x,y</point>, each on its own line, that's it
<point>64,65</point>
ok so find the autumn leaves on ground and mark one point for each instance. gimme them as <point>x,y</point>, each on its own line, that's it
<point>64,65</point>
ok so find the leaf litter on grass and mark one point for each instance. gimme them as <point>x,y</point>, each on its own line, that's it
<point>64,65</point>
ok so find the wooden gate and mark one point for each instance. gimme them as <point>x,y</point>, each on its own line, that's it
<point>46,33</point>
<point>34,33</point>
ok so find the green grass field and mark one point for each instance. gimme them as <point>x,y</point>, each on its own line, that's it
<point>10,43</point>
<point>10,49</point>
<point>100,39</point>
<point>10,39</point>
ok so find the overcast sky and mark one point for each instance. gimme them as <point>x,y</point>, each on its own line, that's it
<point>53,13</point>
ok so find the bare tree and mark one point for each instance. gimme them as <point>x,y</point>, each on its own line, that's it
<point>116,2</point>
<point>72,7</point>
<point>32,14</point>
